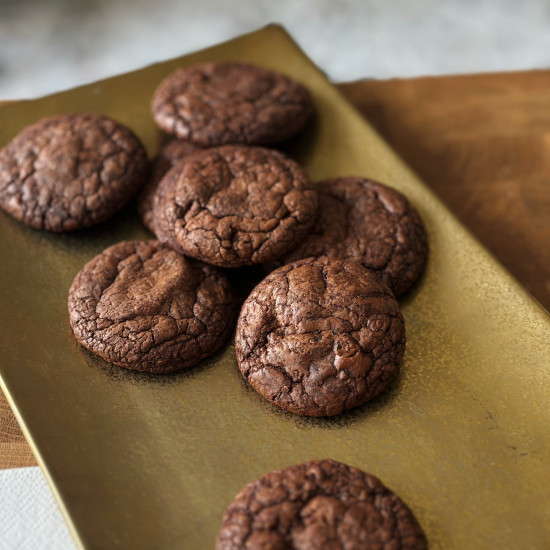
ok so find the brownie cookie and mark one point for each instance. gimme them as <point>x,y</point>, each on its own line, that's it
<point>70,171</point>
<point>234,205</point>
<point>170,155</point>
<point>319,505</point>
<point>142,306</point>
<point>230,102</point>
<point>320,336</point>
<point>371,223</point>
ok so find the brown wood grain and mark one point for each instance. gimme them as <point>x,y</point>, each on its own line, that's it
<point>14,451</point>
<point>481,142</point>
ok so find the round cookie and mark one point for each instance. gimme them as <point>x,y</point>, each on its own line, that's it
<point>143,306</point>
<point>229,102</point>
<point>370,222</point>
<point>320,336</point>
<point>234,205</point>
<point>70,171</point>
<point>171,154</point>
<point>319,505</point>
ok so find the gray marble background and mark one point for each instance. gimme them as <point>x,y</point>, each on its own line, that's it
<point>47,46</point>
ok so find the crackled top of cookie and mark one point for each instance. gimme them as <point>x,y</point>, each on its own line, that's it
<point>143,306</point>
<point>234,205</point>
<point>320,336</point>
<point>319,505</point>
<point>230,102</point>
<point>171,154</point>
<point>70,171</point>
<point>372,223</point>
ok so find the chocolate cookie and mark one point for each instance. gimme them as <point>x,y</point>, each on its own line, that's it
<point>234,205</point>
<point>372,223</point>
<point>230,102</point>
<point>71,171</point>
<point>319,505</point>
<point>170,155</point>
<point>142,306</point>
<point>320,336</point>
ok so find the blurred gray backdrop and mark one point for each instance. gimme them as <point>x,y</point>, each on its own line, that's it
<point>47,46</point>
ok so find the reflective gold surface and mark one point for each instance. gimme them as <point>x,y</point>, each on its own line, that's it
<point>143,462</point>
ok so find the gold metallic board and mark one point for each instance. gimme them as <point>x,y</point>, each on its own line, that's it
<point>144,462</point>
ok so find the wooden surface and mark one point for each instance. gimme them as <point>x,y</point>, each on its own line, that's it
<point>481,142</point>
<point>14,451</point>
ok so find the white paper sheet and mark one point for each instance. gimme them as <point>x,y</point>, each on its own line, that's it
<point>29,516</point>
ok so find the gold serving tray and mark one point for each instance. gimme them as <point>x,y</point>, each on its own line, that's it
<point>151,462</point>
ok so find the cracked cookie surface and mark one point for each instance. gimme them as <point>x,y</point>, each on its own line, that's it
<point>143,306</point>
<point>319,505</point>
<point>171,154</point>
<point>234,205</point>
<point>372,223</point>
<point>320,336</point>
<point>70,171</point>
<point>230,102</point>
